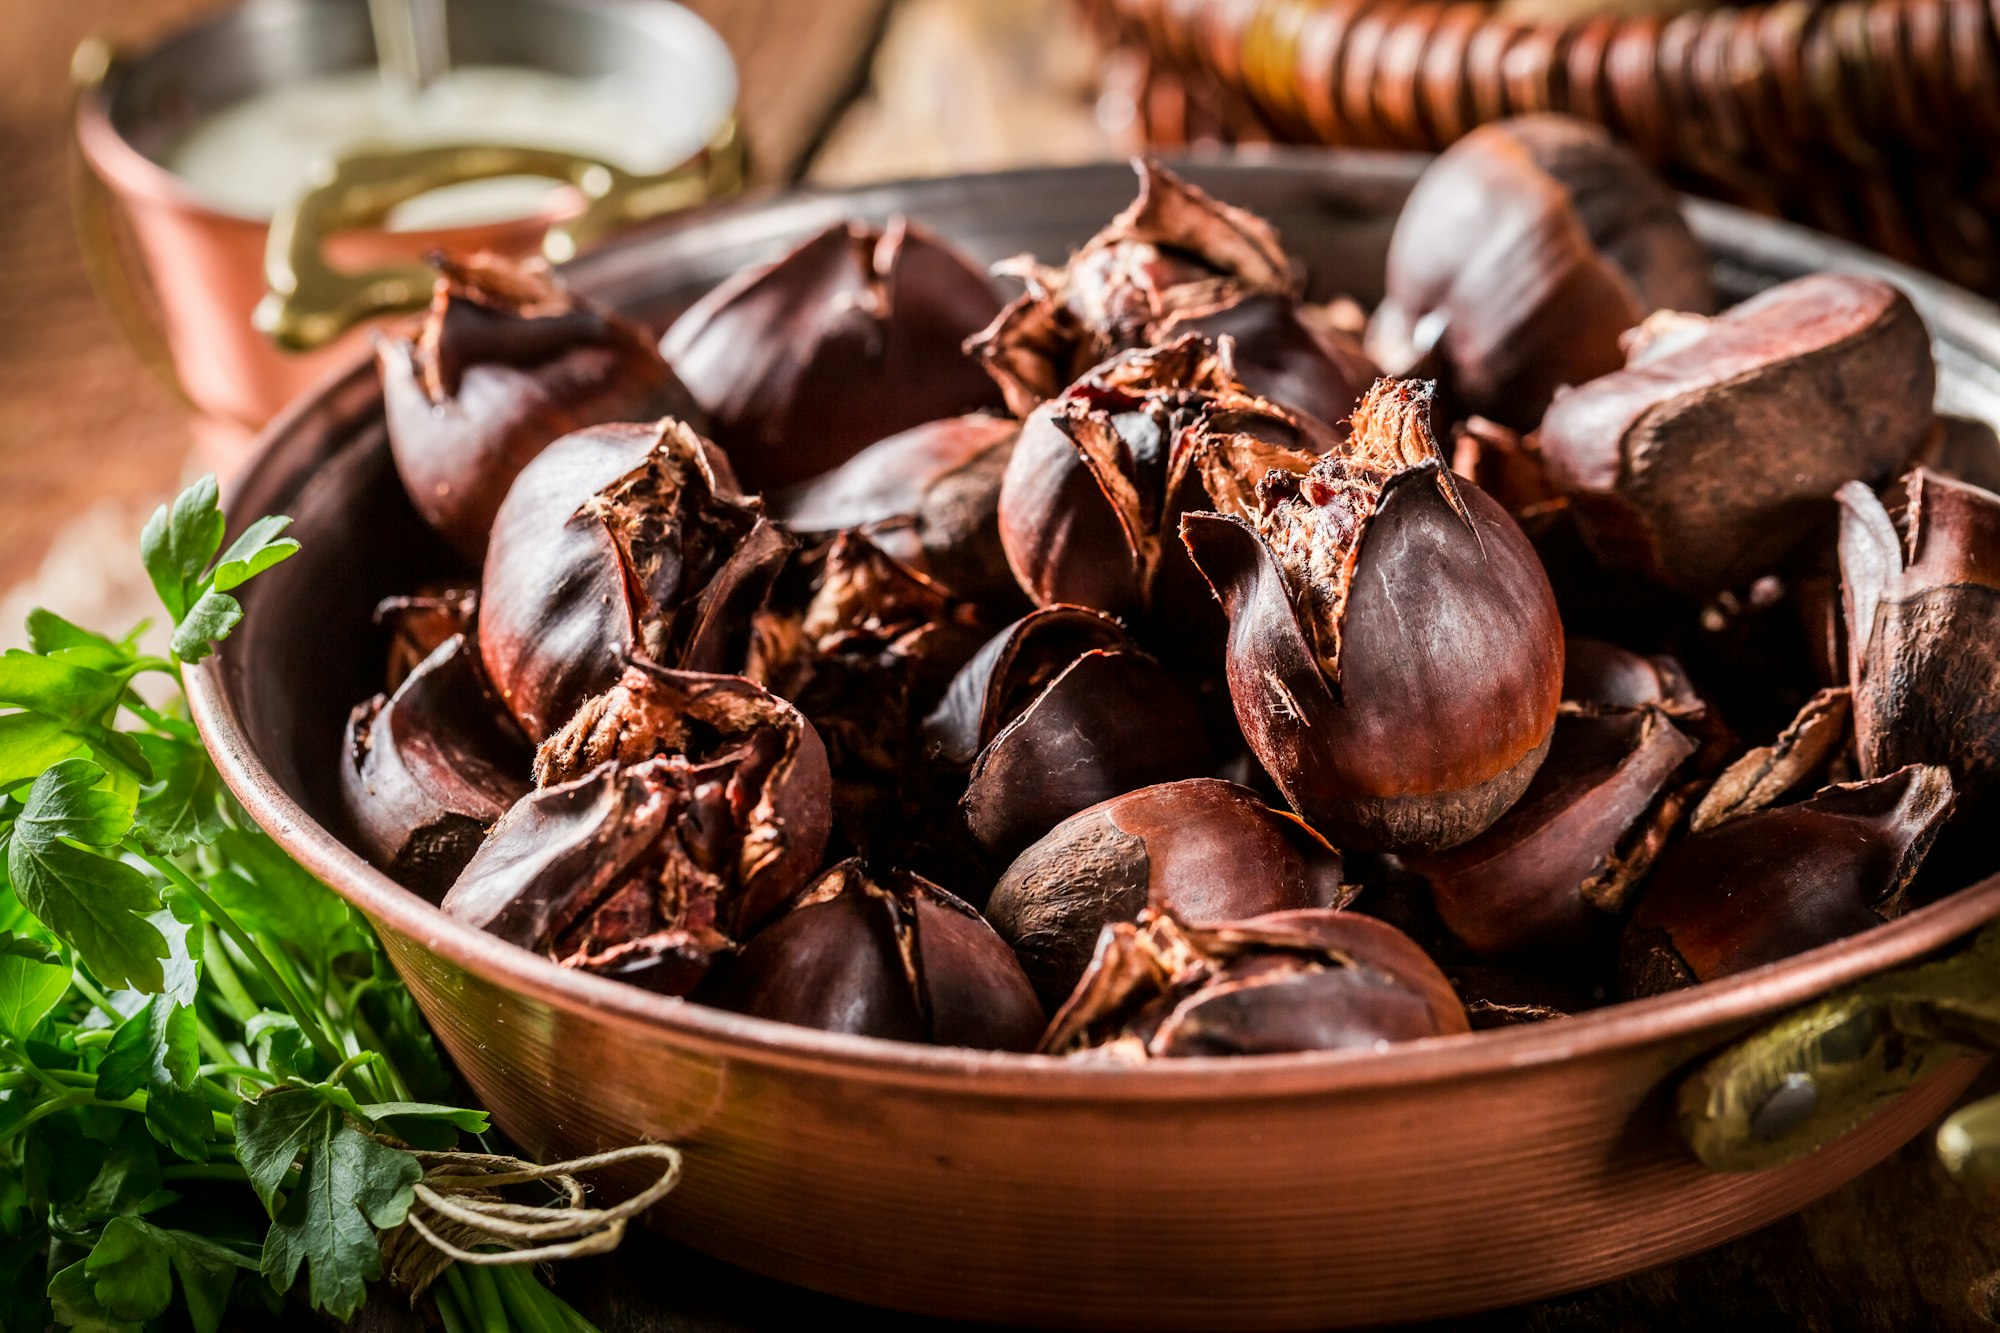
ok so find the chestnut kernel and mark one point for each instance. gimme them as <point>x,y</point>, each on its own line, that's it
<point>1706,460</point>
<point>884,954</point>
<point>1524,251</point>
<point>854,335</point>
<point>1204,850</point>
<point>505,362</point>
<point>1395,658</point>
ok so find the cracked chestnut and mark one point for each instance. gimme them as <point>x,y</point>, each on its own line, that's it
<point>1395,658</point>
<point>884,954</point>
<point>1204,850</point>
<point>505,362</point>
<point>1176,262</point>
<point>1761,887</point>
<point>619,540</point>
<point>1712,454</point>
<point>1309,980</point>
<point>675,814</point>
<point>427,770</point>
<point>1524,251</point>
<point>853,336</point>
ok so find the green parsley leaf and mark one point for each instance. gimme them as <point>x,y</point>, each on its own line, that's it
<point>280,1047</point>
<point>32,981</point>
<point>271,894</point>
<point>182,806</point>
<point>94,902</point>
<point>212,616</point>
<point>259,548</point>
<point>65,691</point>
<point>30,743</point>
<point>49,632</point>
<point>349,1186</point>
<point>130,1174</point>
<point>74,1297</point>
<point>129,1272</point>
<point>155,1052</point>
<point>179,922</point>
<point>425,1124</point>
<point>178,543</point>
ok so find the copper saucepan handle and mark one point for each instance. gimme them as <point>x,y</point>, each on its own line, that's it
<point>1822,1070</point>
<point>310,302</point>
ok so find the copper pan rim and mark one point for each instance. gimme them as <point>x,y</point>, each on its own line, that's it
<point>1682,1016</point>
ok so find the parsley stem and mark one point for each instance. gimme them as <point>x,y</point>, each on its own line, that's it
<point>43,1110</point>
<point>294,1004</point>
<point>215,962</point>
<point>158,721</point>
<point>240,1071</point>
<point>35,1071</point>
<point>96,997</point>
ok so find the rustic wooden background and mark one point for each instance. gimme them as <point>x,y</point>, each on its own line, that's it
<point>835,91</point>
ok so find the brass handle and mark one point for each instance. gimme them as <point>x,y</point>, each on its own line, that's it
<point>1817,1073</point>
<point>310,303</point>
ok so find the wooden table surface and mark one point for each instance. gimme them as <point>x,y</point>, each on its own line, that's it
<point>835,91</point>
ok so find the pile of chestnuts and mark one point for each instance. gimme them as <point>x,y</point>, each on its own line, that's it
<point>1161,664</point>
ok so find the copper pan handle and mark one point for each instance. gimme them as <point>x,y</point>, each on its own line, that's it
<point>120,285</point>
<point>310,303</point>
<point>1820,1071</point>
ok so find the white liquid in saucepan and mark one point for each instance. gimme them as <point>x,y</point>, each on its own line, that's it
<point>251,157</point>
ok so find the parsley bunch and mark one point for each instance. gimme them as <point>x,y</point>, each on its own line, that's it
<point>207,1065</point>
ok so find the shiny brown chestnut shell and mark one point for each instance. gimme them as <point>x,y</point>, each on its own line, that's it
<point>1204,850</point>
<point>1058,712</point>
<point>851,337</point>
<point>884,954</point>
<point>1524,251</point>
<point>677,812</point>
<point>1309,980</point>
<point>419,624</point>
<point>426,771</point>
<point>1922,613</point>
<point>929,497</point>
<point>506,361</point>
<point>1711,455</point>
<point>1091,502</point>
<point>1175,262</point>
<point>1544,880</point>
<point>1395,658</point>
<point>619,540</point>
<point>1761,887</point>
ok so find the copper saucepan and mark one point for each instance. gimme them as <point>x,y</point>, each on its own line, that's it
<point>1438,1177</point>
<point>334,262</point>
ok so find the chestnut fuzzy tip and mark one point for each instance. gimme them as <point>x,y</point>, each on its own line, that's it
<point>506,361</point>
<point>1395,656</point>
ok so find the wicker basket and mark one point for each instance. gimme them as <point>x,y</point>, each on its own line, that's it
<point>1872,119</point>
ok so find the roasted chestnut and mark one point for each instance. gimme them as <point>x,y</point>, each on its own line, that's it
<point>619,540</point>
<point>1963,449</point>
<point>1310,980</point>
<point>1394,659</point>
<point>1525,249</point>
<point>1090,506</point>
<point>1547,878</point>
<point>1176,262</point>
<point>929,497</point>
<point>1711,455</point>
<point>1763,886</point>
<point>505,362</point>
<point>1922,611</point>
<point>427,770</point>
<point>677,812</point>
<point>851,337</point>
<point>1204,850</point>
<point>1055,713</point>
<point>884,954</point>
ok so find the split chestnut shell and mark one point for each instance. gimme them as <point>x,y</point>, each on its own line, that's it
<point>1711,455</point>
<point>619,540</point>
<point>1395,658</point>
<point>505,362</point>
<point>884,954</point>
<point>854,335</point>
<point>426,771</point>
<point>1764,886</point>
<point>1207,851</point>
<point>1310,980</point>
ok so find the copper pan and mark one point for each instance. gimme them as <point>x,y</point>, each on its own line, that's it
<point>1439,1177</point>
